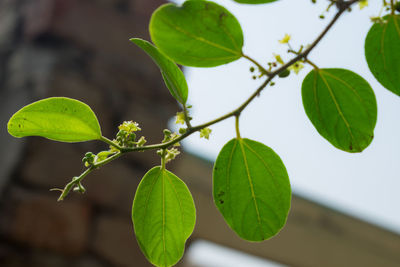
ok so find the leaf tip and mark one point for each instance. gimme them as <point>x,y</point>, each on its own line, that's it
<point>134,40</point>
<point>11,129</point>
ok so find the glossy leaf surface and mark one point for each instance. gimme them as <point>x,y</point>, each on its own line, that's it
<point>251,189</point>
<point>173,76</point>
<point>198,33</point>
<point>163,215</point>
<point>56,118</point>
<point>342,107</point>
<point>382,51</point>
<point>254,1</point>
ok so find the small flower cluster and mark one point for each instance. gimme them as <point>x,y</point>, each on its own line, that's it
<point>126,136</point>
<point>183,118</point>
<point>89,159</point>
<point>180,118</point>
<point>169,154</point>
<point>252,69</point>
<point>387,6</point>
<point>296,67</point>
<point>205,133</point>
<point>169,136</point>
<point>362,4</point>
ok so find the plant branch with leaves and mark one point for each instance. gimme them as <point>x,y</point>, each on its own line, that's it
<point>251,186</point>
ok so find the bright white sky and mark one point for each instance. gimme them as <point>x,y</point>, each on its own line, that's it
<point>365,185</point>
<point>202,253</point>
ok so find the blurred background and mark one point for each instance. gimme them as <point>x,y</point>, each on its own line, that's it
<point>345,206</point>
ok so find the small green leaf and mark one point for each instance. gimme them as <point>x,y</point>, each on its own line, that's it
<point>255,1</point>
<point>342,107</point>
<point>251,189</point>
<point>382,51</point>
<point>173,76</point>
<point>163,216</point>
<point>56,118</point>
<point>198,33</point>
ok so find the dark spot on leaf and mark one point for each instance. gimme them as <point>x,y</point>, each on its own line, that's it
<point>19,125</point>
<point>221,201</point>
<point>221,18</point>
<point>221,193</point>
<point>351,147</point>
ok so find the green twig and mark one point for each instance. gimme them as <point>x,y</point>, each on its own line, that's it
<point>392,7</point>
<point>77,180</point>
<point>260,67</point>
<point>111,143</point>
<point>237,127</point>
<point>163,162</point>
<point>187,118</point>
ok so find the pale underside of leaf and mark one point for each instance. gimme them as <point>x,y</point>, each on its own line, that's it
<point>56,118</point>
<point>172,75</point>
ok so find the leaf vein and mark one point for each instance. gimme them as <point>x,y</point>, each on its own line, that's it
<point>352,89</point>
<point>339,110</point>
<point>200,39</point>
<point>251,187</point>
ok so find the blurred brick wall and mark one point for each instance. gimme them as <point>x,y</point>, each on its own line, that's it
<point>78,49</point>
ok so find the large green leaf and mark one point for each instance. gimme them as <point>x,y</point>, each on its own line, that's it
<point>342,107</point>
<point>173,76</point>
<point>163,215</point>
<point>255,1</point>
<point>198,33</point>
<point>251,189</point>
<point>382,51</point>
<point>56,118</point>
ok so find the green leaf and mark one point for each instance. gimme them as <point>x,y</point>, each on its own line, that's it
<point>163,215</point>
<point>198,33</point>
<point>254,1</point>
<point>251,189</point>
<point>382,51</point>
<point>342,107</point>
<point>173,76</point>
<point>56,118</point>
